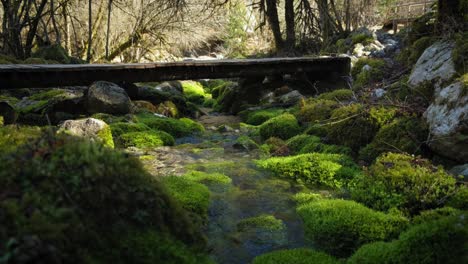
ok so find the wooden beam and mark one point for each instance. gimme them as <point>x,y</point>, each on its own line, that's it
<point>14,76</point>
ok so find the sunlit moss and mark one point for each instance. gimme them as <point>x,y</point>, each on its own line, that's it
<point>297,256</point>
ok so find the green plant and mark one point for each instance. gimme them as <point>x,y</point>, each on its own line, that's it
<point>337,95</point>
<point>316,110</point>
<point>12,136</point>
<point>296,143</point>
<point>297,256</point>
<point>373,73</point>
<point>176,127</point>
<point>362,38</point>
<point>146,139</point>
<point>339,227</point>
<point>119,128</point>
<point>192,88</point>
<point>401,181</point>
<point>330,170</point>
<point>193,196</point>
<point>259,117</point>
<point>53,52</point>
<point>284,126</point>
<point>459,200</point>
<point>208,178</point>
<point>267,222</point>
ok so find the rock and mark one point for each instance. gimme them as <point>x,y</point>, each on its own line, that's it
<point>8,113</point>
<point>224,128</point>
<point>435,65</point>
<point>268,98</point>
<point>366,68</point>
<point>91,128</point>
<point>460,170</point>
<point>291,98</point>
<point>170,87</point>
<point>106,97</point>
<point>143,106</point>
<point>447,118</point>
<point>378,93</point>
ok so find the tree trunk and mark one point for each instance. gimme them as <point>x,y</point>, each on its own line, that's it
<point>109,11</point>
<point>324,20</point>
<point>290,26</point>
<point>54,23</point>
<point>273,21</point>
<point>90,31</point>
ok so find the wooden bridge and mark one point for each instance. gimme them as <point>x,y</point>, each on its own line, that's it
<point>404,12</point>
<point>57,75</point>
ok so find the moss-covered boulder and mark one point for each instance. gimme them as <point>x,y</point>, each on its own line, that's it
<point>284,126</point>
<point>337,95</point>
<point>146,139</point>
<point>142,106</point>
<point>176,127</point>
<point>367,70</point>
<point>7,112</point>
<point>89,128</point>
<point>325,170</point>
<point>297,256</point>
<point>258,117</point>
<point>401,181</point>
<point>82,201</point>
<point>339,227</point>
<point>314,110</point>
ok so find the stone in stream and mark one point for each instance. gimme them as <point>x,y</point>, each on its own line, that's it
<point>109,98</point>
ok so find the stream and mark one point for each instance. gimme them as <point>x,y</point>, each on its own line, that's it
<point>253,192</point>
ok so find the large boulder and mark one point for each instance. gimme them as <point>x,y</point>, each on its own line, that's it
<point>90,128</point>
<point>435,65</point>
<point>107,97</point>
<point>447,117</point>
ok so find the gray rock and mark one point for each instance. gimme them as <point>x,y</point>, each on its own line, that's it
<point>378,93</point>
<point>291,97</point>
<point>460,170</point>
<point>447,118</point>
<point>435,65</point>
<point>173,88</point>
<point>107,97</point>
<point>90,128</point>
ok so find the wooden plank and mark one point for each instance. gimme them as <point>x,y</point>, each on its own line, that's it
<point>50,75</point>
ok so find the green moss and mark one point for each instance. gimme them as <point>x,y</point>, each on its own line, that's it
<point>53,52</point>
<point>193,196</point>
<point>245,142</point>
<point>362,38</point>
<point>210,103</point>
<point>192,125</point>
<point>119,128</point>
<point>337,95</point>
<point>405,134</point>
<point>459,199</point>
<point>9,99</point>
<point>168,108</point>
<point>382,114</point>
<point>460,52</point>
<point>418,48</point>
<point>305,198</point>
<point>267,222</point>
<point>208,178</point>
<point>329,170</point>
<point>105,135</point>
<point>351,126</point>
<point>325,148</point>
<point>146,139</point>
<point>81,199</point>
<point>316,110</point>
<point>297,256</point>
<point>259,117</point>
<point>401,181</point>
<point>193,88</point>
<point>340,227</point>
<point>296,143</point>
<point>284,126</point>
<point>440,241</point>
<point>176,127</point>
<point>318,130</point>
<point>342,47</point>
<point>432,215</point>
<point>12,136</point>
<point>364,77</point>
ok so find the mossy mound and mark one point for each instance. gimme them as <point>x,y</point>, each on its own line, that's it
<point>297,256</point>
<point>296,143</point>
<point>401,181</point>
<point>191,88</point>
<point>176,127</point>
<point>260,116</point>
<point>459,199</point>
<point>267,222</point>
<point>351,126</point>
<point>339,227</point>
<point>314,110</point>
<point>284,126</point>
<point>367,71</point>
<point>405,134</point>
<point>326,170</point>
<point>120,128</point>
<point>245,142</point>
<point>275,147</point>
<point>208,178</point>
<point>442,240</point>
<point>337,95</point>
<point>79,200</point>
<point>12,136</point>
<point>146,139</point>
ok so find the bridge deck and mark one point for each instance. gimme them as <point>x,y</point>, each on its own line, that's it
<point>49,75</point>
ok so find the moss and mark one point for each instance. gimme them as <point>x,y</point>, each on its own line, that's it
<point>208,178</point>
<point>259,117</point>
<point>305,198</point>
<point>329,170</point>
<point>192,88</point>
<point>352,127</point>
<point>105,136</point>
<point>316,110</point>
<point>284,126</point>
<point>339,227</point>
<point>267,222</point>
<point>401,181</point>
<point>245,142</point>
<point>176,127</point>
<point>440,241</point>
<point>297,256</point>
<point>53,52</point>
<point>318,130</point>
<point>35,61</point>
<point>9,99</point>
<point>364,77</point>
<point>193,196</point>
<point>405,134</point>
<point>337,95</point>
<point>362,38</point>
<point>296,143</point>
<point>81,199</point>
<point>432,215</point>
<point>460,53</point>
<point>459,199</point>
<point>210,103</point>
<point>146,139</point>
<point>110,119</point>
<point>342,46</point>
<point>325,148</point>
<point>12,136</point>
<point>141,106</point>
<point>382,115</point>
<point>418,48</point>
<point>119,128</point>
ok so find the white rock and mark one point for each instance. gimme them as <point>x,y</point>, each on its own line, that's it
<point>378,93</point>
<point>89,128</point>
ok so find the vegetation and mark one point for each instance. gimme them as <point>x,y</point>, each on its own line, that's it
<point>146,139</point>
<point>267,222</point>
<point>175,127</point>
<point>316,110</point>
<point>299,256</point>
<point>340,227</point>
<point>283,126</point>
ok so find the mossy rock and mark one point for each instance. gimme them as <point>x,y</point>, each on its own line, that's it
<point>193,88</point>
<point>284,126</point>
<point>119,128</point>
<point>352,127</point>
<point>459,199</point>
<point>441,240</point>
<point>411,184</point>
<point>5,59</point>
<point>260,116</point>
<point>146,139</point>
<point>339,227</point>
<point>81,199</point>
<point>110,119</point>
<point>176,127</point>
<point>314,110</point>
<point>13,136</point>
<point>320,147</point>
<point>362,38</point>
<point>363,76</point>
<point>317,169</point>
<point>53,52</point>
<point>246,143</point>
<point>267,222</point>
<point>141,106</point>
<point>297,256</point>
<point>296,143</point>
<point>35,61</point>
<point>337,95</point>
<point>405,134</point>
<point>208,178</point>
<point>89,128</point>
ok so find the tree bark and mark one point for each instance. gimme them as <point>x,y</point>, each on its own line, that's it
<point>90,31</point>
<point>109,11</point>
<point>290,25</point>
<point>273,21</point>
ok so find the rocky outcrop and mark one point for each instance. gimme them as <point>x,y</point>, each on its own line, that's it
<point>106,97</point>
<point>435,65</point>
<point>90,128</point>
<point>447,118</point>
